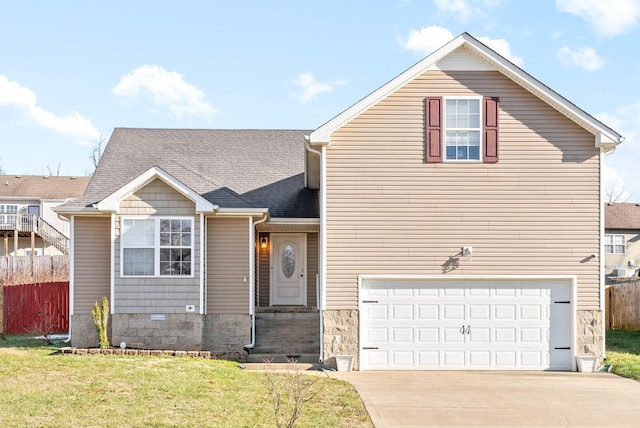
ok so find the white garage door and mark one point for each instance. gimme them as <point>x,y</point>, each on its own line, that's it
<point>466,325</point>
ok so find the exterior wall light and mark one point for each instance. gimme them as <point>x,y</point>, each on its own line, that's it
<point>264,242</point>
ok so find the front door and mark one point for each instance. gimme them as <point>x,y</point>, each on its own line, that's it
<point>288,267</point>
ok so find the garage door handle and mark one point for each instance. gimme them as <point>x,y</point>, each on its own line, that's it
<point>563,301</point>
<point>369,301</point>
<point>563,348</point>
<point>369,347</point>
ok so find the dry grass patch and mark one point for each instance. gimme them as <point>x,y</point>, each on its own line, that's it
<point>39,387</point>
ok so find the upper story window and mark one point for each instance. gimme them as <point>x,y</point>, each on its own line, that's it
<point>7,213</point>
<point>462,129</point>
<point>157,246</point>
<point>614,244</point>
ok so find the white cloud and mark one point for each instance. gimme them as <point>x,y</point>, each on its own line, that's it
<point>584,57</point>
<point>465,10</point>
<point>12,94</point>
<point>428,39</point>
<point>310,87</point>
<point>608,18</point>
<point>503,48</point>
<point>165,88</point>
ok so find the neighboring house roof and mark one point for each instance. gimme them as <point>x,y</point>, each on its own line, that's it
<point>42,187</point>
<point>488,59</point>
<point>229,168</point>
<point>622,216</point>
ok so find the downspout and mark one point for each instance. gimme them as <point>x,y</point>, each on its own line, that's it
<point>71,274</point>
<point>252,285</point>
<point>321,283</point>
<point>601,258</point>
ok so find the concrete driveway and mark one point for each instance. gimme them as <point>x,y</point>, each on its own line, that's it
<point>457,398</point>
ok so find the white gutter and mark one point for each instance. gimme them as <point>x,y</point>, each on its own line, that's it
<point>202,275</point>
<point>71,274</point>
<point>601,257</point>
<point>323,240</point>
<point>252,275</point>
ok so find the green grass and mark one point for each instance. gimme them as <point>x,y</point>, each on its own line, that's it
<point>39,387</point>
<point>623,353</point>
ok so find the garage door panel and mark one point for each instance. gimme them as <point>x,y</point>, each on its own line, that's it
<point>481,335</point>
<point>428,335</point>
<point>504,312</point>
<point>466,325</point>
<point>402,312</point>
<point>453,312</point>
<point>402,335</point>
<point>428,312</point>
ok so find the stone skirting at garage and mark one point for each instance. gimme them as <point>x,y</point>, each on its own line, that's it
<point>181,332</point>
<point>340,334</point>
<point>589,333</point>
<point>227,332</point>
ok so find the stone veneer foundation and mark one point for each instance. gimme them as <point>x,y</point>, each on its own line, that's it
<point>590,333</point>
<point>226,332</point>
<point>83,331</point>
<point>340,334</point>
<point>182,332</point>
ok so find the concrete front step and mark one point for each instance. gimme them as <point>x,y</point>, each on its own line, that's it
<point>282,366</point>
<point>282,358</point>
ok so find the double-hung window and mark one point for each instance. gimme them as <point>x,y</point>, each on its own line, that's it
<point>463,129</point>
<point>157,246</point>
<point>8,214</point>
<point>614,244</point>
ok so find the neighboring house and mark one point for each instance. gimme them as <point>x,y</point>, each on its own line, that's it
<point>28,224</point>
<point>622,238</point>
<point>456,224</point>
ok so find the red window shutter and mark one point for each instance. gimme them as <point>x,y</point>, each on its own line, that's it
<point>490,131</point>
<point>433,131</point>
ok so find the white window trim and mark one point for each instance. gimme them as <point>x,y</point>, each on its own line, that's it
<point>445,128</point>
<point>156,253</point>
<point>613,243</point>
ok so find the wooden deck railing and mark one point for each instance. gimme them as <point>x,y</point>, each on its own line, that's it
<point>37,225</point>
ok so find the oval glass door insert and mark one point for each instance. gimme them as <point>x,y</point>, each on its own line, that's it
<point>288,261</point>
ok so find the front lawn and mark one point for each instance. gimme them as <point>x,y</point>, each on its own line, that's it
<point>39,387</point>
<point>623,353</point>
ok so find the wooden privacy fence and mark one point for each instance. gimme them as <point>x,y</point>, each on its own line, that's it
<point>35,308</point>
<point>33,270</point>
<point>622,306</point>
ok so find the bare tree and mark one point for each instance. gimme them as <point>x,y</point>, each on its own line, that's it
<point>615,194</point>
<point>57,173</point>
<point>1,170</point>
<point>96,151</point>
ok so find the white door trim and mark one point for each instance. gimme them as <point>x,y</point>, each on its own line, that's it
<point>300,269</point>
<point>570,279</point>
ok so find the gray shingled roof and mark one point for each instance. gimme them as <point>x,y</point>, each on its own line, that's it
<point>622,216</point>
<point>42,186</point>
<point>230,168</point>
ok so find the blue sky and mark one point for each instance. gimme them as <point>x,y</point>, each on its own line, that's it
<point>71,71</point>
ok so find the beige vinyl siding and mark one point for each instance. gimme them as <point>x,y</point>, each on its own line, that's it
<point>227,265</point>
<point>312,268</point>
<point>157,294</point>
<point>91,262</point>
<point>535,212</point>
